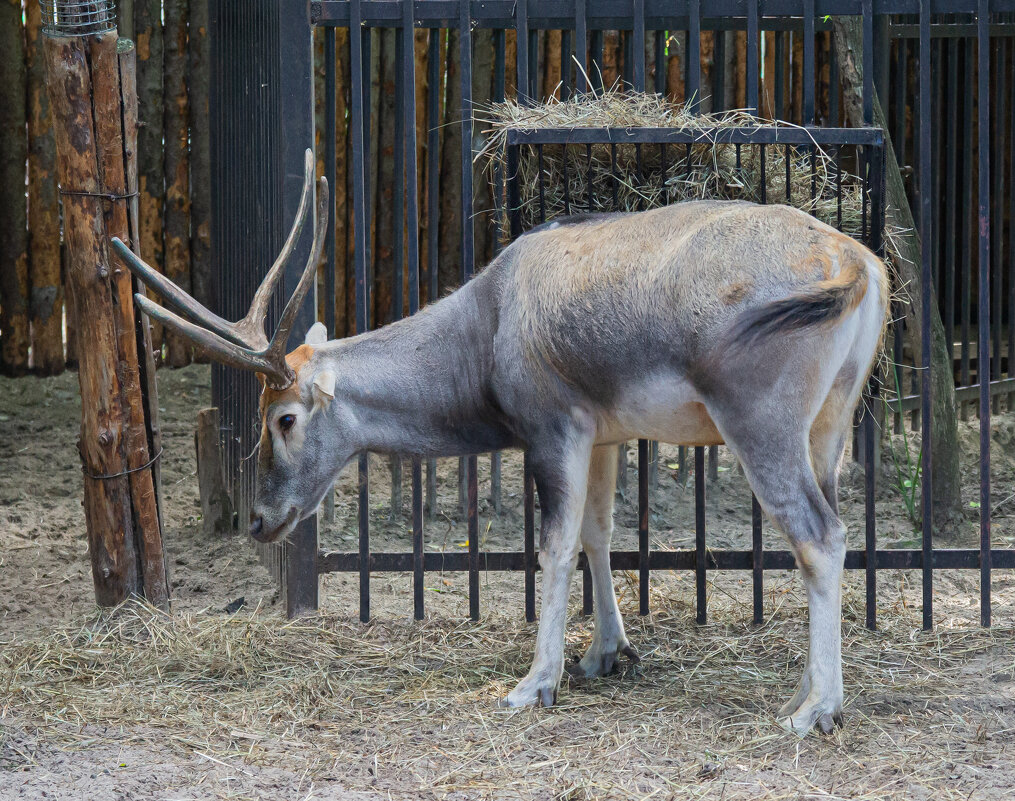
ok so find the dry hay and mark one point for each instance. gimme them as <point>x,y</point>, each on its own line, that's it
<point>646,177</point>
<point>408,709</point>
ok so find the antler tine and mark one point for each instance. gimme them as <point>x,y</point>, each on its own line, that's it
<point>275,352</point>
<point>252,324</point>
<point>225,351</point>
<point>175,297</point>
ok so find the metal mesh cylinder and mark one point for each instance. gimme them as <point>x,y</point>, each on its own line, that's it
<point>78,17</point>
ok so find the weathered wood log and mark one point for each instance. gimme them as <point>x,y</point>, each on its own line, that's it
<point>176,162</point>
<point>148,28</point>
<point>46,298</point>
<point>947,500</point>
<point>216,506</point>
<point>121,505</point>
<point>345,319</point>
<point>198,89</point>
<point>14,331</point>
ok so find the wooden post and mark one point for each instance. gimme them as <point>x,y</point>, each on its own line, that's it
<point>46,298</point>
<point>13,209</point>
<point>216,507</point>
<point>94,115</point>
<point>176,222</point>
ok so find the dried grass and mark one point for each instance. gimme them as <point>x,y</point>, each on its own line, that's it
<point>647,177</point>
<point>409,709</point>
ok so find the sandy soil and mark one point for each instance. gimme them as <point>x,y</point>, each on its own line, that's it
<point>929,714</point>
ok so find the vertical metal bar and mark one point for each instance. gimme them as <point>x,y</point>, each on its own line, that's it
<point>950,193</point>
<point>926,293</point>
<point>983,306</point>
<point>833,89</point>
<point>581,45</point>
<point>368,190</point>
<point>809,76</point>
<point>522,51</point>
<point>780,78</point>
<point>1011,246</point>
<point>699,535</point>
<point>565,64</point>
<point>757,562</point>
<point>357,122</point>
<point>692,81</point>
<point>398,199</point>
<point>997,275</point>
<point>659,79</point>
<point>468,269</point>
<point>408,67</point>
<point>867,11</point>
<point>966,250</point>
<point>870,531</point>
<point>638,46</point>
<point>330,168</point>
<point>752,57</point>
<point>529,503</point>
<point>643,512</point>
<point>433,95</point>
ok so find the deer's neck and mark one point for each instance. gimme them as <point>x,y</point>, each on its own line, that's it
<point>421,386</point>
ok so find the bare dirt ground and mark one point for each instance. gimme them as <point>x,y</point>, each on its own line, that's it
<point>206,704</point>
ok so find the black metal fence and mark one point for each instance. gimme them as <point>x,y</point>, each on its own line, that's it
<point>964,223</point>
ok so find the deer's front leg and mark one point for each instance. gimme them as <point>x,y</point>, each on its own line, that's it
<point>561,470</point>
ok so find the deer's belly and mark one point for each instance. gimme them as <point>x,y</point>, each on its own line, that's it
<point>667,409</point>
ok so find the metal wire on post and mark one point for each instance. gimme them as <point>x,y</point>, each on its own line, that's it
<point>78,17</point>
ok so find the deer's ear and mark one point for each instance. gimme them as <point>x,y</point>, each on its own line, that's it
<point>261,378</point>
<point>324,388</point>
<point>317,335</point>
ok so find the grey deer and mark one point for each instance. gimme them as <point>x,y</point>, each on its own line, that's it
<point>700,323</point>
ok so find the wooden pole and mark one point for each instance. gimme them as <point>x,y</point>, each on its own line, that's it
<point>46,299</point>
<point>95,126</point>
<point>198,88</point>
<point>176,223</point>
<point>216,507</point>
<point>13,209</point>
<point>148,24</point>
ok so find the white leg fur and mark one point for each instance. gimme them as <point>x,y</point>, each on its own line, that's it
<point>558,555</point>
<point>608,639</point>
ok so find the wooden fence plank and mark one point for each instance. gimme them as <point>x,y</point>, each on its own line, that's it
<point>46,298</point>
<point>14,332</point>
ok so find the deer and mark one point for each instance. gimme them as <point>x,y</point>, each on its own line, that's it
<point>699,323</point>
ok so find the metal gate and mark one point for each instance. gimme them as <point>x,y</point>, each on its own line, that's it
<point>584,21</point>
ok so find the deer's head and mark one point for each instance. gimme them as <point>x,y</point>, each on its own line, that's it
<point>296,464</point>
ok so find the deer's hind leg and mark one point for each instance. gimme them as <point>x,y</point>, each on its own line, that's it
<point>773,445</point>
<point>608,639</point>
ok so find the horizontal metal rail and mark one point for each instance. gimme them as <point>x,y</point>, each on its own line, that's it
<point>745,135</point>
<point>510,561</point>
<point>615,14</point>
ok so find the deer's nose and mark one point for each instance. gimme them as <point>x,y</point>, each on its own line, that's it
<point>256,529</point>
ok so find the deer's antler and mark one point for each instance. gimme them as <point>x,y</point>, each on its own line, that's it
<point>241,344</point>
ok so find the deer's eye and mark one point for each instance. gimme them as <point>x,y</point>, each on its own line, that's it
<point>286,421</point>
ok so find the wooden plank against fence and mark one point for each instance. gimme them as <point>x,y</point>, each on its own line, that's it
<point>46,298</point>
<point>14,332</point>
<point>148,27</point>
<point>216,507</point>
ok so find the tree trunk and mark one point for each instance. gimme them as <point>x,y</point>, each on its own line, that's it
<point>121,504</point>
<point>177,167</point>
<point>13,206</point>
<point>46,299</point>
<point>947,500</point>
<point>551,60</point>
<point>148,28</point>
<point>198,88</point>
